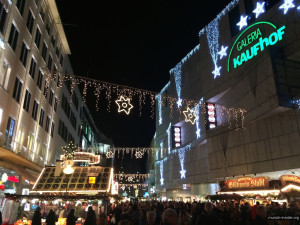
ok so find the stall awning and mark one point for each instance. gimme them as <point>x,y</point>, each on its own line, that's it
<point>89,180</point>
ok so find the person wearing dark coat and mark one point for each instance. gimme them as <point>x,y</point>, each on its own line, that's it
<point>51,218</point>
<point>90,217</point>
<point>71,218</point>
<point>36,219</point>
<point>261,216</point>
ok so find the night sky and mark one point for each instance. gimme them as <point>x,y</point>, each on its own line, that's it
<point>133,43</point>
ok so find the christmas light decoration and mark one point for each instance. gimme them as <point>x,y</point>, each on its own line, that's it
<point>161,169</point>
<point>190,115</point>
<point>181,153</point>
<point>222,52</point>
<point>139,154</point>
<point>260,8</point>
<point>212,34</point>
<point>110,154</point>
<point>124,105</point>
<point>197,110</point>
<point>130,179</point>
<point>178,82</point>
<point>216,72</point>
<point>160,102</point>
<point>298,7</point>
<point>69,151</point>
<point>161,144</point>
<point>288,4</point>
<point>168,131</point>
<point>243,22</point>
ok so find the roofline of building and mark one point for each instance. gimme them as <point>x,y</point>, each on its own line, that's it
<point>59,27</point>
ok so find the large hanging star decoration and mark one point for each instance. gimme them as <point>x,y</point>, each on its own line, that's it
<point>182,173</point>
<point>222,52</point>
<point>288,4</point>
<point>69,151</point>
<point>124,105</point>
<point>260,8</point>
<point>243,22</point>
<point>216,72</point>
<point>190,115</point>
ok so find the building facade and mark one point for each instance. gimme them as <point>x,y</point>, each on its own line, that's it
<point>236,110</point>
<point>40,111</point>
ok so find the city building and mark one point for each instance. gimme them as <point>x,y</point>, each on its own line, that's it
<point>40,112</point>
<point>236,111</point>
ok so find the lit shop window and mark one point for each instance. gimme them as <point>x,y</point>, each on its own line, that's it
<point>176,137</point>
<point>211,116</point>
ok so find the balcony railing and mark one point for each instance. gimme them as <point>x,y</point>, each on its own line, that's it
<point>9,144</point>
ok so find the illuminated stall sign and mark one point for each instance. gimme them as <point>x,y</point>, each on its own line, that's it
<point>247,182</point>
<point>176,134</point>
<point>211,116</point>
<point>250,44</point>
<point>289,179</point>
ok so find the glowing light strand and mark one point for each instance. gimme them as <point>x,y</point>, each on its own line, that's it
<point>181,154</point>
<point>178,82</point>
<point>161,170</point>
<point>212,34</point>
<point>168,131</point>
<point>197,110</point>
<point>160,102</point>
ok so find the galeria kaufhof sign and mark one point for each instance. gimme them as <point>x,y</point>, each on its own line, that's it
<point>253,41</point>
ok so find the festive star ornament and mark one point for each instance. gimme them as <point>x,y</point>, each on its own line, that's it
<point>182,172</point>
<point>160,121</point>
<point>124,105</point>
<point>130,179</point>
<point>190,115</point>
<point>179,102</point>
<point>216,72</point>
<point>110,154</point>
<point>138,154</point>
<point>198,133</point>
<point>243,22</point>
<point>298,7</point>
<point>162,181</point>
<point>288,4</point>
<point>69,151</point>
<point>260,8</point>
<point>222,52</point>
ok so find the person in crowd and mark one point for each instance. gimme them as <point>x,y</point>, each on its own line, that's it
<point>102,219</point>
<point>37,217</point>
<point>261,216</point>
<point>71,218</point>
<point>208,216</point>
<point>51,218</point>
<point>184,218</point>
<point>151,218</point>
<point>170,217</point>
<point>254,210</point>
<point>125,222</point>
<point>90,217</point>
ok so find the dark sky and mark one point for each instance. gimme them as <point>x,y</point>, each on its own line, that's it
<point>133,43</point>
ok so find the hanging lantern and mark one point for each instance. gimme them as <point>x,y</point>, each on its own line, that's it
<point>68,167</point>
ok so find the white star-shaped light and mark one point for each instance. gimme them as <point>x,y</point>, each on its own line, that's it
<point>190,115</point>
<point>298,7</point>
<point>182,172</point>
<point>216,72</point>
<point>243,22</point>
<point>179,102</point>
<point>160,120</point>
<point>124,105</point>
<point>162,181</point>
<point>288,4</point>
<point>222,52</point>
<point>260,8</point>
<point>198,133</point>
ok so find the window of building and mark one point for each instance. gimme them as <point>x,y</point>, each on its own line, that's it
<point>17,89</point>
<point>30,142</point>
<point>37,39</point>
<point>55,104</point>
<point>61,60</point>
<point>57,51</point>
<point>30,21</point>
<point>20,6</point>
<point>27,101</point>
<point>32,68</point>
<point>43,151</point>
<point>42,114</point>
<point>44,51</point>
<point>234,18</point>
<point>20,136</point>
<point>35,109</point>
<point>10,128</point>
<point>52,129</point>
<point>3,15</point>
<point>51,98</point>
<point>47,124</point>
<point>46,87</point>
<point>53,41</point>
<point>24,54</point>
<point>42,13</point>
<point>49,62</point>
<point>48,28</point>
<point>5,75</point>
<point>40,79</point>
<point>13,37</point>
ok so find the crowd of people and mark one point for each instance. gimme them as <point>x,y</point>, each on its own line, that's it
<point>179,213</point>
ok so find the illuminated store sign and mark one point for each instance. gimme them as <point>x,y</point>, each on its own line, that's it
<point>211,116</point>
<point>248,46</point>
<point>247,182</point>
<point>176,137</point>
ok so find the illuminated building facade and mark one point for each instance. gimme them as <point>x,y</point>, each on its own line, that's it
<point>243,74</point>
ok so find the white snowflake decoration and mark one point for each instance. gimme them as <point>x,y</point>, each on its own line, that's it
<point>288,4</point>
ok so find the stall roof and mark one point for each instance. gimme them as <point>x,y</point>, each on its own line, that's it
<point>76,183</point>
